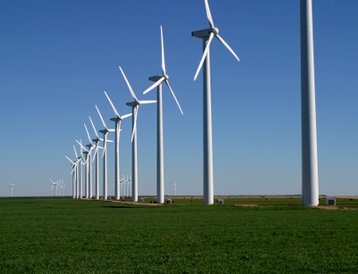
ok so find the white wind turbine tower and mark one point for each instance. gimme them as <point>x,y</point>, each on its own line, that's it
<point>52,184</point>
<point>90,147</point>
<point>208,35</point>
<point>159,80</point>
<point>74,176</point>
<point>118,121</point>
<point>12,185</point>
<point>310,183</point>
<point>135,104</point>
<point>81,162</point>
<point>105,132</point>
<point>96,157</point>
<point>61,187</point>
<point>86,154</point>
<point>79,174</point>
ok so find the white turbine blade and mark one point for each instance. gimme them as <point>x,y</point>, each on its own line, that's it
<point>74,149</point>
<point>69,160</point>
<point>146,102</point>
<point>227,46</point>
<point>110,102</point>
<point>163,53</point>
<point>81,150</point>
<point>154,85</point>
<point>175,98</point>
<point>125,116</point>
<point>95,153</point>
<point>85,149</point>
<point>204,55</point>
<point>208,14</point>
<point>100,116</point>
<point>135,111</point>
<point>104,146</point>
<point>88,135</point>
<point>128,84</point>
<point>94,128</point>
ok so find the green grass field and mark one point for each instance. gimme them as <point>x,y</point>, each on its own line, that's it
<point>75,236</point>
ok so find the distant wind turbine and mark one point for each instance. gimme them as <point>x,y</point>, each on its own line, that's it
<point>96,157</point>
<point>159,80</point>
<point>79,174</point>
<point>74,176</point>
<point>81,162</point>
<point>105,132</point>
<point>86,154</point>
<point>208,35</point>
<point>135,104</point>
<point>12,189</point>
<point>91,147</point>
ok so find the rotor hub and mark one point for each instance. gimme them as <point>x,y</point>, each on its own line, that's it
<point>215,31</point>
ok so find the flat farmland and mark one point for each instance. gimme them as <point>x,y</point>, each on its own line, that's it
<point>258,235</point>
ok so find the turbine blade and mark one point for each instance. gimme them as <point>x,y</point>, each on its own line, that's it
<point>94,128</point>
<point>69,160</point>
<point>110,102</point>
<point>227,46</point>
<point>119,136</point>
<point>154,85</point>
<point>125,116</point>
<point>88,135</point>
<point>128,84</point>
<point>175,98</point>
<point>204,55</point>
<point>80,143</point>
<point>135,110</point>
<point>146,102</point>
<point>208,14</point>
<point>104,145</point>
<point>74,149</point>
<point>163,53</point>
<point>81,150</point>
<point>95,154</point>
<point>100,116</point>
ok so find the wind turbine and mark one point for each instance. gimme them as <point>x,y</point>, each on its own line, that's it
<point>310,183</point>
<point>74,176</point>
<point>56,184</point>
<point>158,81</point>
<point>90,147</point>
<point>12,185</point>
<point>208,35</point>
<point>82,162</point>
<point>86,154</point>
<point>105,132</point>
<point>118,121</point>
<point>52,184</point>
<point>61,186</point>
<point>79,175</point>
<point>96,157</point>
<point>135,104</point>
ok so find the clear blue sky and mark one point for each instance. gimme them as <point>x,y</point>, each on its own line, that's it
<point>57,57</point>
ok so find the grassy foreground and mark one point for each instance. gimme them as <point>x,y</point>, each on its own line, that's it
<point>73,236</point>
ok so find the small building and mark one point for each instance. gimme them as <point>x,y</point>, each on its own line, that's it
<point>331,200</point>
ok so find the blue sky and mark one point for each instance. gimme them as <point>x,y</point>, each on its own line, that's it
<point>57,58</point>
